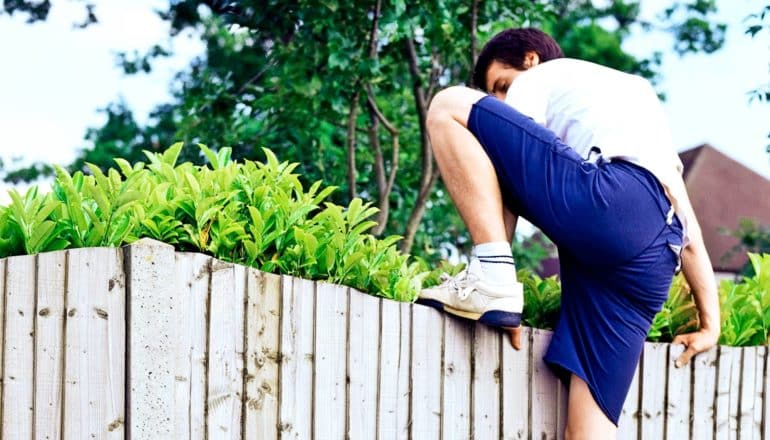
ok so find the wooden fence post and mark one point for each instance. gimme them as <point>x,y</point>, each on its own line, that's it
<point>150,317</point>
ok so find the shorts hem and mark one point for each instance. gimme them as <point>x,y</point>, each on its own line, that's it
<point>556,365</point>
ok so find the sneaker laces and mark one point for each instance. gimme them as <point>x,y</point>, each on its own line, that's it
<point>458,283</point>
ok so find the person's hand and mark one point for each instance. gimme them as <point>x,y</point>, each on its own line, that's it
<point>515,336</point>
<point>695,342</point>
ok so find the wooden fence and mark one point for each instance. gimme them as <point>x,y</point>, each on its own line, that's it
<point>143,342</point>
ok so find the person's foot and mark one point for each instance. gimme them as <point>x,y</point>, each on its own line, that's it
<point>467,295</point>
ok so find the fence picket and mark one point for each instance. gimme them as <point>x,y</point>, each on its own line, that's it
<point>363,360</point>
<point>427,341</point>
<point>654,365</point>
<point>456,409</point>
<point>759,397</point>
<point>486,381</point>
<point>49,344</point>
<point>544,389</point>
<point>95,350</point>
<point>394,397</point>
<point>704,394</point>
<point>297,311</point>
<point>517,378</point>
<point>331,321</point>
<point>18,368</point>
<point>224,381</point>
<point>678,396</point>
<point>735,392</point>
<point>3,346</point>
<point>722,403</point>
<point>191,290</point>
<point>262,351</point>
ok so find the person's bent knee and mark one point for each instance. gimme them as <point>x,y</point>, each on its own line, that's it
<point>452,104</point>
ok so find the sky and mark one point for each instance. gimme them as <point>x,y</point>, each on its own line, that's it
<point>53,79</point>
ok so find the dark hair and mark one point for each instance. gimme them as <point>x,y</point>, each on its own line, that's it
<point>510,46</point>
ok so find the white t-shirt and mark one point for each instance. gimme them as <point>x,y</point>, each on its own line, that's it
<point>588,105</point>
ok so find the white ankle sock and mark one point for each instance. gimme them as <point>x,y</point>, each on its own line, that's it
<point>496,262</point>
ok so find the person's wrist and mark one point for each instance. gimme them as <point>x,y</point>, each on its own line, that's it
<point>714,332</point>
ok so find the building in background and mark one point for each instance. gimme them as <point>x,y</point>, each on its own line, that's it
<point>723,192</point>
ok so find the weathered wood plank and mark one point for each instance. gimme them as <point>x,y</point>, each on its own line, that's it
<point>331,347</point>
<point>363,361</point>
<point>735,392</point>
<point>456,405</point>
<point>544,389</point>
<point>562,406</point>
<point>3,263</point>
<point>486,382</point>
<point>224,380</point>
<point>766,396</point>
<point>297,311</point>
<point>726,357</point>
<point>393,413</point>
<point>704,393</point>
<point>654,365</point>
<point>759,397</point>
<point>191,290</point>
<point>748,396</point>
<point>427,342</point>
<point>678,400</point>
<point>95,344</point>
<point>517,375</point>
<point>262,351</point>
<point>150,360</point>
<point>238,314</point>
<point>18,369</point>
<point>628,425</point>
<point>49,344</point>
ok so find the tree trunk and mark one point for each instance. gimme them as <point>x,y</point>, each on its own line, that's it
<point>428,175</point>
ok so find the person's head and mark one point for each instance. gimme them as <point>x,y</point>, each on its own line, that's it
<point>508,54</point>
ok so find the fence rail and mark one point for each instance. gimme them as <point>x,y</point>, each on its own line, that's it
<point>142,342</point>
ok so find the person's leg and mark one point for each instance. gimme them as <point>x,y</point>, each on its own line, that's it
<point>585,420</point>
<point>510,219</point>
<point>488,290</point>
<point>465,167</point>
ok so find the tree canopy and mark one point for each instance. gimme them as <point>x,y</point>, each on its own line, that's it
<point>343,87</point>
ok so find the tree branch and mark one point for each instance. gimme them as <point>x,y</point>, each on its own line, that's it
<point>474,38</point>
<point>384,187</point>
<point>352,144</point>
<point>427,178</point>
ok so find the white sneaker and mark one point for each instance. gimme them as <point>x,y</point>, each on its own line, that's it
<point>468,296</point>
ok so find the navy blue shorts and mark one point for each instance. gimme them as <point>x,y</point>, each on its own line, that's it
<point>617,239</point>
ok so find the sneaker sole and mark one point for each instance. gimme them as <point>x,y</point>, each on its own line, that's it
<point>494,318</point>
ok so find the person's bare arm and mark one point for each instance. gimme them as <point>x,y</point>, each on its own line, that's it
<point>696,266</point>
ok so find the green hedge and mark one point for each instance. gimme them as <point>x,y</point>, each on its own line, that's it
<point>260,215</point>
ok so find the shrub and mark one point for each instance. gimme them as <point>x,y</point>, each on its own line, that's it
<point>252,213</point>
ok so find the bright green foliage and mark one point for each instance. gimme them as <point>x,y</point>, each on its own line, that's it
<point>542,300</point>
<point>251,213</point>
<point>745,306</point>
<point>679,314</point>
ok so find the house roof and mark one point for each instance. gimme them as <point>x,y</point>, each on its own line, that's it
<point>723,192</point>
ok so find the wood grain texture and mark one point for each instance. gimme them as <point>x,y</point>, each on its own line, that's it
<point>262,354</point>
<point>456,406</point>
<point>427,343</point>
<point>363,362</point>
<point>19,347</point>
<point>331,323</point>
<point>49,344</point>
<point>517,379</point>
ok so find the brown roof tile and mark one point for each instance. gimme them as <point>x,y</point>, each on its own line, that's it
<point>723,192</point>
